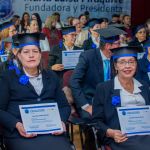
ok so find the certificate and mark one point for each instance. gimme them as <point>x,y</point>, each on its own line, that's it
<point>4,57</point>
<point>41,118</point>
<point>70,58</point>
<point>134,120</point>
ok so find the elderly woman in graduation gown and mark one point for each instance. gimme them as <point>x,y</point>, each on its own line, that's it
<point>29,84</point>
<point>123,91</point>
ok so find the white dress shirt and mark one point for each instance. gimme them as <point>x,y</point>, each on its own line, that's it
<point>130,99</point>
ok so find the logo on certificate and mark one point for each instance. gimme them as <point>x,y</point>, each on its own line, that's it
<point>26,111</point>
<point>4,58</point>
<point>5,9</point>
<point>123,113</point>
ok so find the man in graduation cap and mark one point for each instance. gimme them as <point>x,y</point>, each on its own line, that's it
<point>93,67</point>
<point>122,91</point>
<point>55,57</point>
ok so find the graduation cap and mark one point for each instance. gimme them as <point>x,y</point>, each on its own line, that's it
<point>110,32</point>
<point>125,51</point>
<point>137,28</point>
<point>21,40</point>
<point>6,25</point>
<point>91,23</point>
<point>117,25</point>
<point>67,30</point>
<point>103,20</point>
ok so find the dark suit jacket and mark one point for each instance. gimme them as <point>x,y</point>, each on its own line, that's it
<point>13,94</point>
<point>3,66</point>
<point>105,113</point>
<point>87,74</point>
<point>135,42</point>
<point>142,70</point>
<point>88,44</point>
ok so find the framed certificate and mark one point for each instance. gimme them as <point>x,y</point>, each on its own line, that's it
<point>70,58</point>
<point>41,118</point>
<point>134,120</point>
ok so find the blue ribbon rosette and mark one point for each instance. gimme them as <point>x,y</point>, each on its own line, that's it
<point>115,100</point>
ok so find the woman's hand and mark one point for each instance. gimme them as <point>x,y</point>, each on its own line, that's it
<point>59,133</point>
<point>116,135</point>
<point>22,131</point>
<point>58,67</point>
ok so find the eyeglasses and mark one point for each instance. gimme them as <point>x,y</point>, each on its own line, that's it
<point>124,63</point>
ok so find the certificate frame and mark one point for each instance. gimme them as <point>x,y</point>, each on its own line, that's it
<point>70,58</point>
<point>41,118</point>
<point>134,120</point>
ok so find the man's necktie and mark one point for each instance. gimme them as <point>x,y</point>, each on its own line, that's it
<point>106,69</point>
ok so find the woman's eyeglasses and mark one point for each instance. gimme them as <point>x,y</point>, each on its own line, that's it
<point>124,63</point>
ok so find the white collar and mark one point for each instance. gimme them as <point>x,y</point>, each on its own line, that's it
<point>68,48</point>
<point>137,84</point>
<point>94,40</point>
<point>103,56</point>
<point>39,75</point>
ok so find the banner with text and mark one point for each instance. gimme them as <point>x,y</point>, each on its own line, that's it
<point>97,8</point>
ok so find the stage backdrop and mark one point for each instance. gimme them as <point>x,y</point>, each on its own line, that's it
<point>97,8</point>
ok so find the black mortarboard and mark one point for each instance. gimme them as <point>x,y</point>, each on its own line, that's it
<point>103,20</point>
<point>91,23</point>
<point>117,25</point>
<point>67,30</point>
<point>21,40</point>
<point>125,51</point>
<point>110,32</point>
<point>5,25</point>
<point>137,28</point>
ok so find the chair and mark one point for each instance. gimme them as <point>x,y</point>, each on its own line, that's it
<point>45,58</point>
<point>73,120</point>
<point>2,146</point>
<point>76,120</point>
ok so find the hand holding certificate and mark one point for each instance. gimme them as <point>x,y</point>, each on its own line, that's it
<point>134,120</point>
<point>41,118</point>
